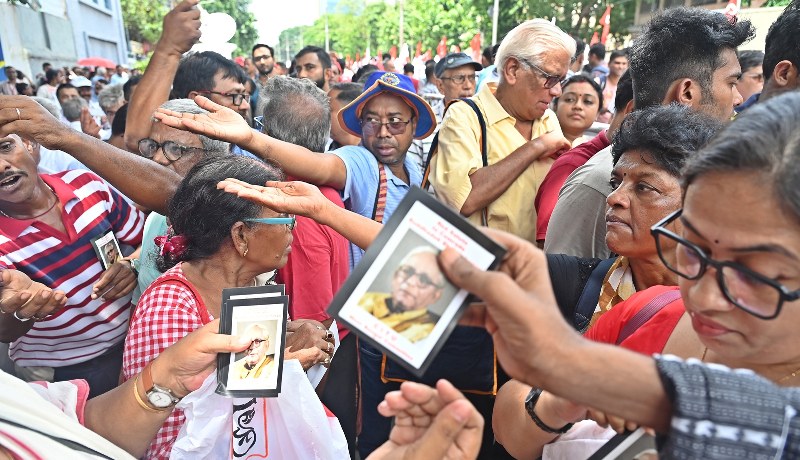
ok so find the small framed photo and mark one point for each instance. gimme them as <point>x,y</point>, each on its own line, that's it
<point>397,298</point>
<point>107,249</point>
<point>256,371</point>
<point>631,445</point>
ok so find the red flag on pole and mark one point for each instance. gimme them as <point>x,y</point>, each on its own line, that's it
<point>475,47</point>
<point>605,20</point>
<point>393,52</point>
<point>419,49</point>
<point>441,50</point>
<point>594,39</point>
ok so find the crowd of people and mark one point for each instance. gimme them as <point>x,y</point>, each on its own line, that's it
<point>648,202</point>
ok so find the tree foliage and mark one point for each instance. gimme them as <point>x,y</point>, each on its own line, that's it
<point>356,26</point>
<point>142,19</point>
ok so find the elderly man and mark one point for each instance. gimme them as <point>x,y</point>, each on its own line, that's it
<point>256,363</point>
<point>522,133</point>
<point>455,78</point>
<point>314,63</point>
<point>9,87</point>
<point>417,284</point>
<point>685,56</point>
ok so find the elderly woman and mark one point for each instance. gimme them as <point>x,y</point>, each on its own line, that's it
<point>649,150</point>
<point>577,107</point>
<point>216,241</point>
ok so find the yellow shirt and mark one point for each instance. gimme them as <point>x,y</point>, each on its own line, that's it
<point>262,370</point>
<point>459,156</point>
<point>414,325</point>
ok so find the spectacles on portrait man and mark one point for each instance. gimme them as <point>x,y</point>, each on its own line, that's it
<point>172,150</point>
<point>748,290</point>
<point>236,98</point>
<point>406,272</point>
<point>290,221</point>
<point>550,80</point>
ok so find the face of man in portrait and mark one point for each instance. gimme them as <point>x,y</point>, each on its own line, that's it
<point>111,253</point>
<point>417,283</point>
<point>256,352</point>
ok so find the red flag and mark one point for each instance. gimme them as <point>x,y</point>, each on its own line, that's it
<point>475,47</point>
<point>419,49</point>
<point>605,20</point>
<point>441,50</point>
<point>393,52</point>
<point>594,39</point>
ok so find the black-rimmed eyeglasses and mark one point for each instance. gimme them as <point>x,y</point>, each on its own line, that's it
<point>172,150</point>
<point>753,292</point>
<point>236,98</point>
<point>550,80</point>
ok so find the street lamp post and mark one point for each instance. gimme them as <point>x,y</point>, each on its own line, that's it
<point>495,17</point>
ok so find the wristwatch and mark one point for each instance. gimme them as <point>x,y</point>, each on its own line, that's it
<point>530,406</point>
<point>160,397</point>
<point>134,265</point>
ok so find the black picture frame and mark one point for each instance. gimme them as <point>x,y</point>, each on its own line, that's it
<point>268,312</point>
<point>102,242</point>
<point>419,221</point>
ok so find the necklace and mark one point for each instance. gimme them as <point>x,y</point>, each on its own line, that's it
<point>55,202</point>
<point>786,377</point>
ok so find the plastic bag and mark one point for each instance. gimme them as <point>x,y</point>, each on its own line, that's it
<point>295,425</point>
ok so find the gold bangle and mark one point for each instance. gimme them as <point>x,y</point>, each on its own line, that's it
<point>139,398</point>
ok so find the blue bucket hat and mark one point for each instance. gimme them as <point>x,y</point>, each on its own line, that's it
<point>389,82</point>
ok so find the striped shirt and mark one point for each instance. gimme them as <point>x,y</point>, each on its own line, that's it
<point>84,328</point>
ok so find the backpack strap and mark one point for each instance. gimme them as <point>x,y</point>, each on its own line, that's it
<point>379,208</point>
<point>587,303</point>
<point>642,316</point>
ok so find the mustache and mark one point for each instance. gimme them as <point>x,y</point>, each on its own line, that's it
<point>8,174</point>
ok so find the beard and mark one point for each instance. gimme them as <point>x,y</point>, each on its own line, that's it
<point>265,71</point>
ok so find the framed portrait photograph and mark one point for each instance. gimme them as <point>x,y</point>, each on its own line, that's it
<point>397,298</point>
<point>631,445</point>
<point>256,371</point>
<point>107,249</point>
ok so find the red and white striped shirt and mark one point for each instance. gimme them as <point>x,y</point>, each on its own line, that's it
<point>167,311</point>
<point>84,328</point>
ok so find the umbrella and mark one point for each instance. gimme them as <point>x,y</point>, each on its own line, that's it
<point>97,62</point>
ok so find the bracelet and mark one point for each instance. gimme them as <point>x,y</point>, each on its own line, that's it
<point>530,405</point>
<point>139,398</point>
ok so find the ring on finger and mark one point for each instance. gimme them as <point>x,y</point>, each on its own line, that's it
<point>328,348</point>
<point>19,114</point>
<point>327,361</point>
<point>328,335</point>
<point>20,318</point>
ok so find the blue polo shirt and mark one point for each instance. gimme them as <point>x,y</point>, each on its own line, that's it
<point>362,182</point>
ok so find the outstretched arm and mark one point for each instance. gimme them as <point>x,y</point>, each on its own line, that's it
<point>521,314</point>
<point>306,200</point>
<point>225,124</point>
<point>122,169</point>
<point>180,31</point>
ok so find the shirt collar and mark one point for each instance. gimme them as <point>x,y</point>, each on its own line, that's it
<point>13,228</point>
<point>494,111</point>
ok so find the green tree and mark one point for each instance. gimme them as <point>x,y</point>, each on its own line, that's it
<point>142,19</point>
<point>246,33</point>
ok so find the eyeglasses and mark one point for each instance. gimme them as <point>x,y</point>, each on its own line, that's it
<point>372,126</point>
<point>290,222</point>
<point>262,58</point>
<point>236,98</point>
<point>172,151</point>
<point>406,272</point>
<point>459,79</point>
<point>753,292</point>
<point>550,79</point>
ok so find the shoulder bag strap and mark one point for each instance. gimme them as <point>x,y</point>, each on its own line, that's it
<point>642,316</point>
<point>484,149</point>
<point>587,303</point>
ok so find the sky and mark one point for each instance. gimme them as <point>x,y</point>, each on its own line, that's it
<point>274,16</point>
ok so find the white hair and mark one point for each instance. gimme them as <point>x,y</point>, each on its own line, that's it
<point>531,40</point>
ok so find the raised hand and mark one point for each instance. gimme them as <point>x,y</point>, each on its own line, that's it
<point>23,116</point>
<point>181,28</point>
<point>430,424</point>
<point>220,123</point>
<point>290,197</point>
<point>88,124</point>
